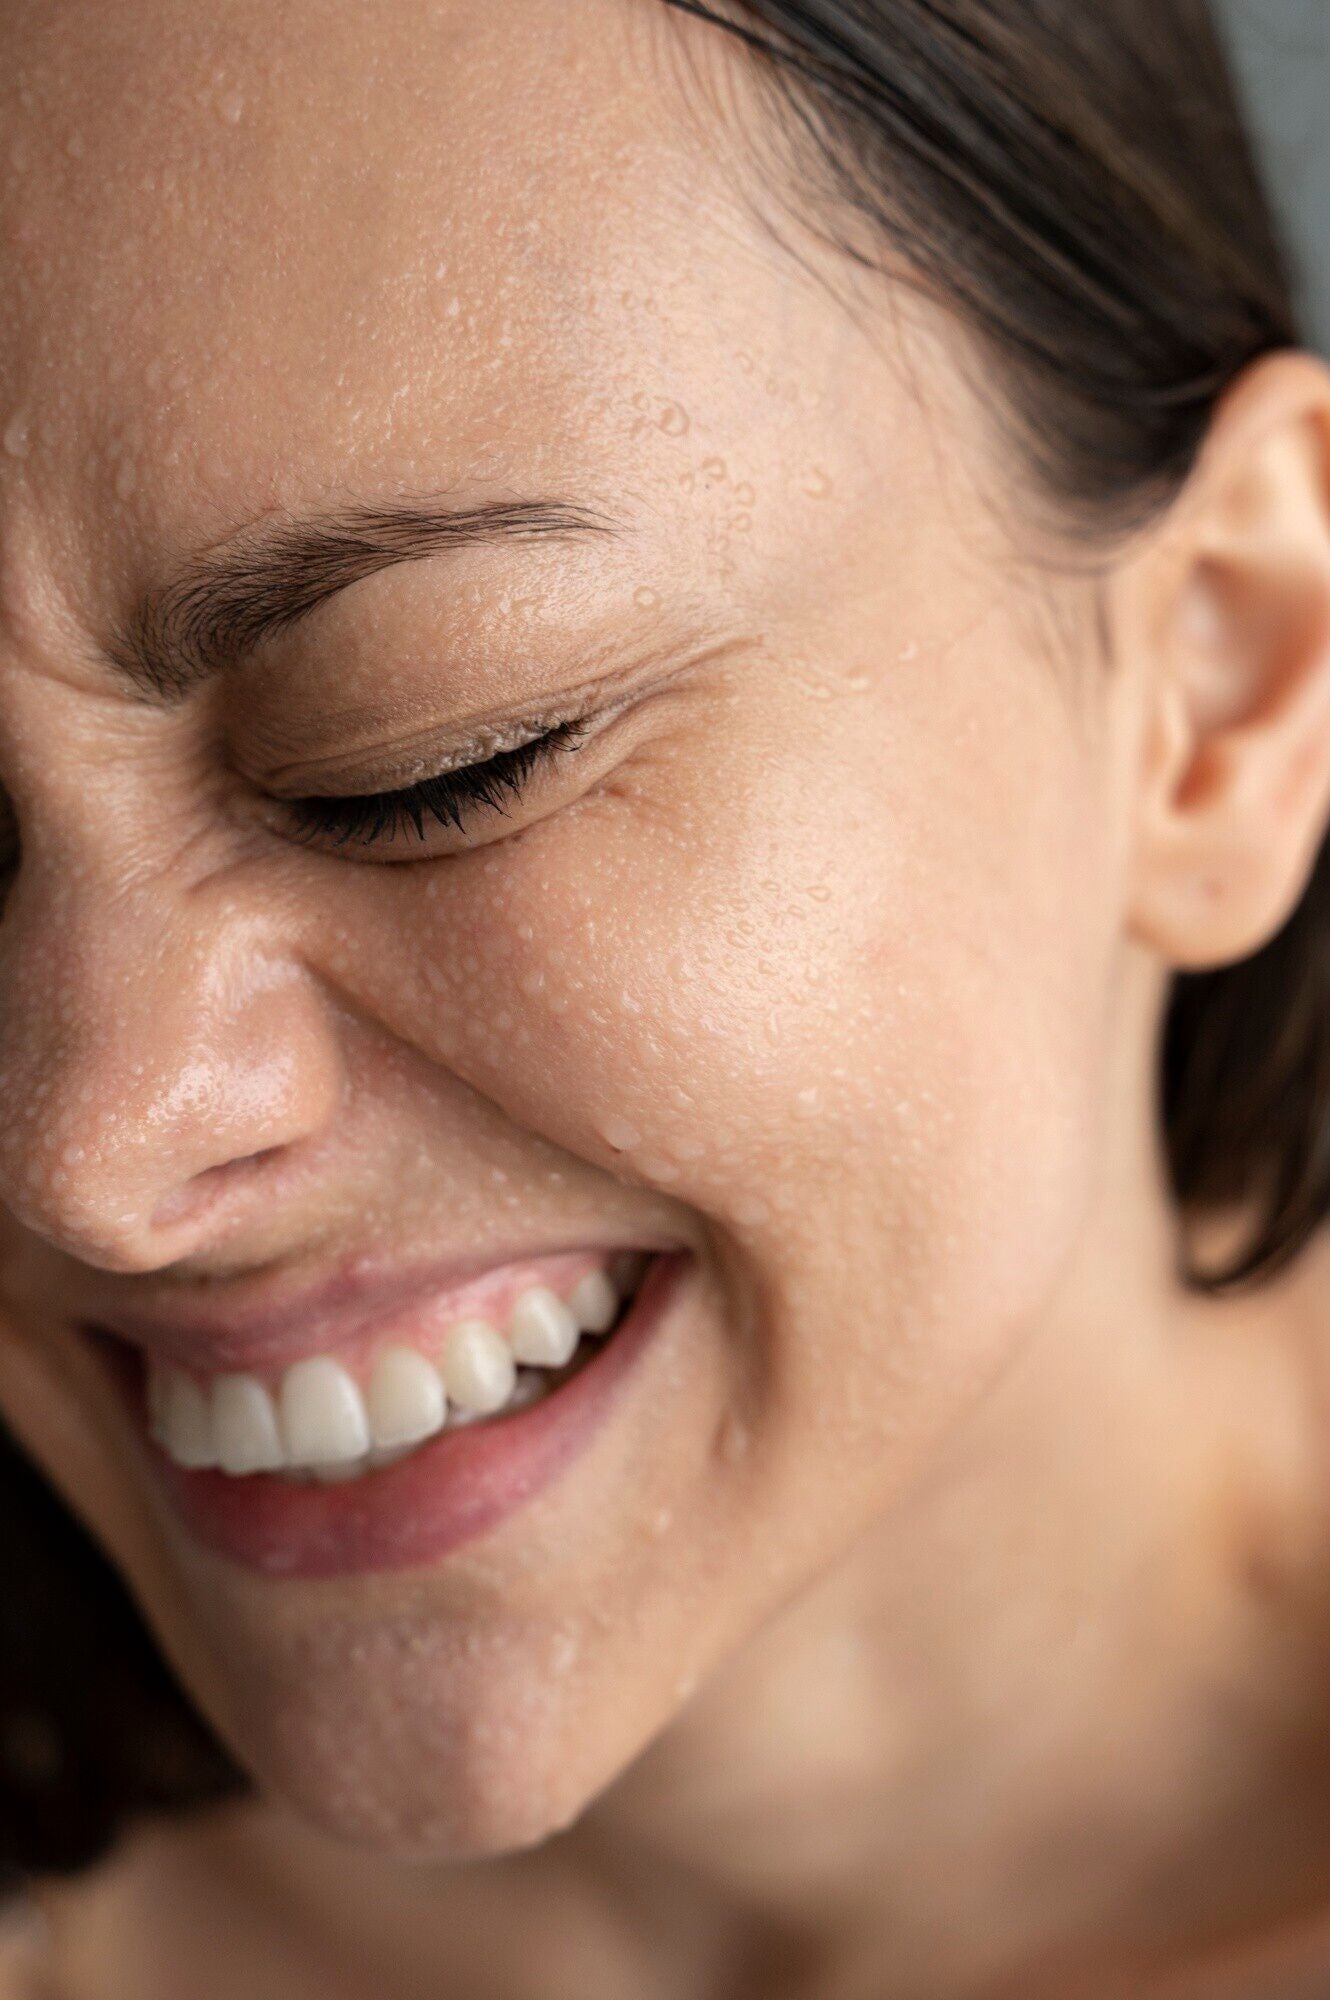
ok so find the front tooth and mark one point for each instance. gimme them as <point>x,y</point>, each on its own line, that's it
<point>405,1399</point>
<point>244,1426</point>
<point>321,1413</point>
<point>542,1331</point>
<point>187,1422</point>
<point>478,1368</point>
<point>595,1302</point>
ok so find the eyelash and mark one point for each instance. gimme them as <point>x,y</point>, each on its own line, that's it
<point>370,817</point>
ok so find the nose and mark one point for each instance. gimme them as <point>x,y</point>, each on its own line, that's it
<point>161,1053</point>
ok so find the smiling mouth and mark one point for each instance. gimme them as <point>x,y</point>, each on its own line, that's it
<point>334,1417</point>
<point>380,1507</point>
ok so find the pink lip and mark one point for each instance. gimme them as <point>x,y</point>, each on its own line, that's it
<point>457,1486</point>
<point>354,1301</point>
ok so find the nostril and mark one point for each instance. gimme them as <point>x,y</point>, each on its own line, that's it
<point>199,1193</point>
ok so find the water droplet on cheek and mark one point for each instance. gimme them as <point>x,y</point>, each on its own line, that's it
<point>645,599</point>
<point>617,1132</point>
<point>16,436</point>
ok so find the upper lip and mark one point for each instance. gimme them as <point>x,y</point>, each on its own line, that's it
<point>243,1324</point>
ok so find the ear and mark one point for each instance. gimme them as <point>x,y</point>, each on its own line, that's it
<point>1226,611</point>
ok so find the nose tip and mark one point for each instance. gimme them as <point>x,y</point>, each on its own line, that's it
<point>108,1201</point>
<point>164,1049</point>
<point>102,1202</point>
<point>135,1153</point>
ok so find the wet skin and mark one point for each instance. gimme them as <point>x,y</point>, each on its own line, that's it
<point>835,953</point>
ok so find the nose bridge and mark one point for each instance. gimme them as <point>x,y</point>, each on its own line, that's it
<point>149,1035</point>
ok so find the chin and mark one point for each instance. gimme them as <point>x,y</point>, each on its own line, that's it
<point>424,1743</point>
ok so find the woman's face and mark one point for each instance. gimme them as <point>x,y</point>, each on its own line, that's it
<point>804,961</point>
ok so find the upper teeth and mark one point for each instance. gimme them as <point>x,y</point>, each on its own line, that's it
<point>321,1420</point>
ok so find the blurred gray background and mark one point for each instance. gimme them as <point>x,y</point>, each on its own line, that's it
<point>1283,52</point>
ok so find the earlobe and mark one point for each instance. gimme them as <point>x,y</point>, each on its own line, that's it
<point>1227,610</point>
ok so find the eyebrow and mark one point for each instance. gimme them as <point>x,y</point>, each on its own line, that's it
<point>215,610</point>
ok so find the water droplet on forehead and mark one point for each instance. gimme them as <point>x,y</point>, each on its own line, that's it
<point>645,598</point>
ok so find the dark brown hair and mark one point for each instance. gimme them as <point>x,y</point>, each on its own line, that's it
<point>1074,182</point>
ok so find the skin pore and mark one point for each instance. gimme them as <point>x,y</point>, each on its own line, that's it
<point>941,1604</point>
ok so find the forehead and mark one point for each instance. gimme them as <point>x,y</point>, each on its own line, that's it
<point>253,250</point>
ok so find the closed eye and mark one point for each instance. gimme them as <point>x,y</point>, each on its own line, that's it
<point>367,818</point>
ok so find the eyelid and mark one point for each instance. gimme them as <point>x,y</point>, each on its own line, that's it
<point>368,822</point>
<point>453,754</point>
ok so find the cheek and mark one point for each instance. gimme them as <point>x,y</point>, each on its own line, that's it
<point>832,976</point>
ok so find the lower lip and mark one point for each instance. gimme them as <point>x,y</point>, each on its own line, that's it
<point>455,1487</point>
